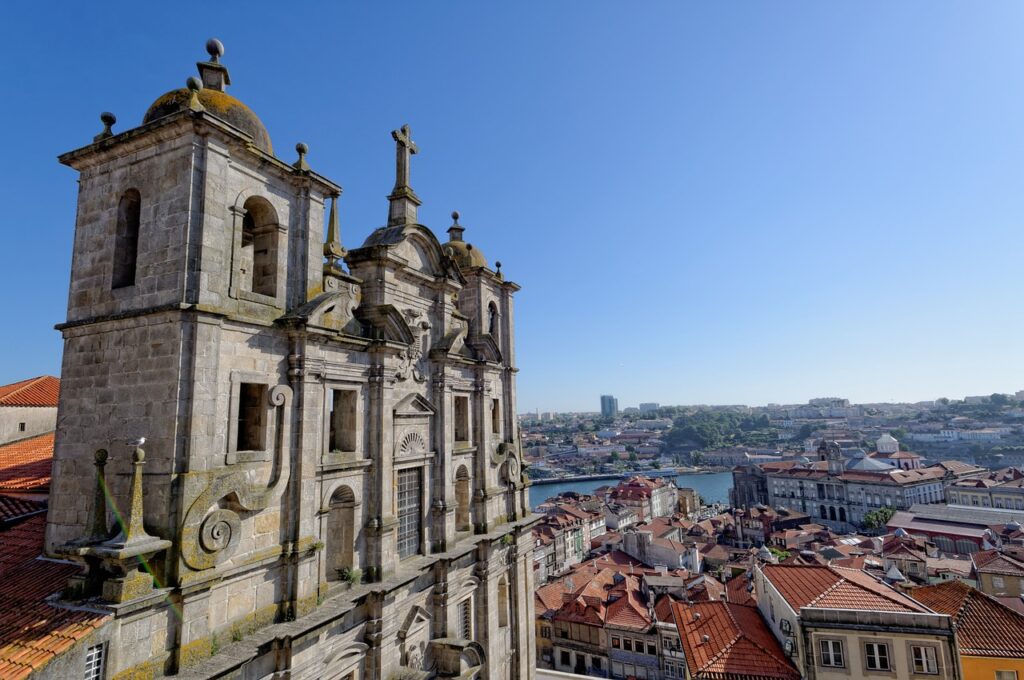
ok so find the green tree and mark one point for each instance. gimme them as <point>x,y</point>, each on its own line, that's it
<point>613,457</point>
<point>632,456</point>
<point>877,519</point>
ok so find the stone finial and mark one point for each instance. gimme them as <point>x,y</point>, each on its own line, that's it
<point>108,119</point>
<point>132,546</point>
<point>215,48</point>
<point>404,200</point>
<point>214,74</point>
<point>333,249</point>
<point>455,231</point>
<point>98,515</point>
<point>497,272</point>
<point>301,164</point>
<point>194,85</point>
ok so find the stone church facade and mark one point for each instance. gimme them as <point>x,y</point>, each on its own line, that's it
<point>277,457</point>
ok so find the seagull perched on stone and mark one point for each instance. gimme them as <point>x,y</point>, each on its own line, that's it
<point>137,442</point>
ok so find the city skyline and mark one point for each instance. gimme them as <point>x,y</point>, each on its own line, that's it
<point>844,210</point>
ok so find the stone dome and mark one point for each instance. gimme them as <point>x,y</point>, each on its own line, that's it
<point>217,103</point>
<point>466,254</point>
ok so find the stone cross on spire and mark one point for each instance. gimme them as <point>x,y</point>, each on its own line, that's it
<point>404,200</point>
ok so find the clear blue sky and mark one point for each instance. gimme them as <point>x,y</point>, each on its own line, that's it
<point>704,203</point>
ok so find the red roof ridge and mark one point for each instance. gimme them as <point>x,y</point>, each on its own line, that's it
<point>828,590</point>
<point>48,392</point>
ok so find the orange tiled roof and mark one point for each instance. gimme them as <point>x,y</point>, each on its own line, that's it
<point>830,587</point>
<point>12,508</point>
<point>628,611</point>
<point>21,543</point>
<point>738,644</point>
<point>41,391</point>
<point>739,590</point>
<point>26,464</point>
<point>995,562</point>
<point>32,632</point>
<point>984,626</point>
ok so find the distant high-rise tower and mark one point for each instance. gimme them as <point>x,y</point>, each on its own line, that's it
<point>609,406</point>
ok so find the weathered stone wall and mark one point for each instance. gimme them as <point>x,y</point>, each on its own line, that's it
<point>120,380</point>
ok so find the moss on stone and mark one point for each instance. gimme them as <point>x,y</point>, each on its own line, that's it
<point>144,671</point>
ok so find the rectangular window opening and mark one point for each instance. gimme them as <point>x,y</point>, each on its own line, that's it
<point>831,653</point>
<point>252,417</point>
<point>496,417</point>
<point>925,660</point>
<point>409,501</point>
<point>876,656</point>
<point>462,419</point>
<point>95,662</point>
<point>344,410</point>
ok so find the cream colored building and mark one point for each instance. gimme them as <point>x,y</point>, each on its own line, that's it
<point>837,624</point>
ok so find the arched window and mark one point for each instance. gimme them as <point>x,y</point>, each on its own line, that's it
<point>824,513</point>
<point>492,320</point>
<point>341,534</point>
<point>258,261</point>
<point>126,239</point>
<point>503,602</point>
<point>832,513</point>
<point>842,514</point>
<point>462,497</point>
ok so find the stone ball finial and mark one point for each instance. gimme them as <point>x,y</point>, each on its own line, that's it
<point>101,456</point>
<point>302,149</point>
<point>194,84</point>
<point>497,264</point>
<point>139,455</point>
<point>455,216</point>
<point>215,49</point>
<point>108,119</point>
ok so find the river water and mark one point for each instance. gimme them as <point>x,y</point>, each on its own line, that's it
<point>712,488</point>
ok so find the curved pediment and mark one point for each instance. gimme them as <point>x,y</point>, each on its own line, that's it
<point>416,246</point>
<point>385,323</point>
<point>332,310</point>
<point>485,347</point>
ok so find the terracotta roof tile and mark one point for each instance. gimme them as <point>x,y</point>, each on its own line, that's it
<point>13,508</point>
<point>985,627</point>
<point>21,543</point>
<point>995,562</point>
<point>738,644</point>
<point>41,391</point>
<point>33,632</point>
<point>26,464</point>
<point>830,587</point>
<point>739,590</point>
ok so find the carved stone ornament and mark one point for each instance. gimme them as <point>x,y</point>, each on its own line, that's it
<point>413,360</point>
<point>210,533</point>
<point>412,445</point>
